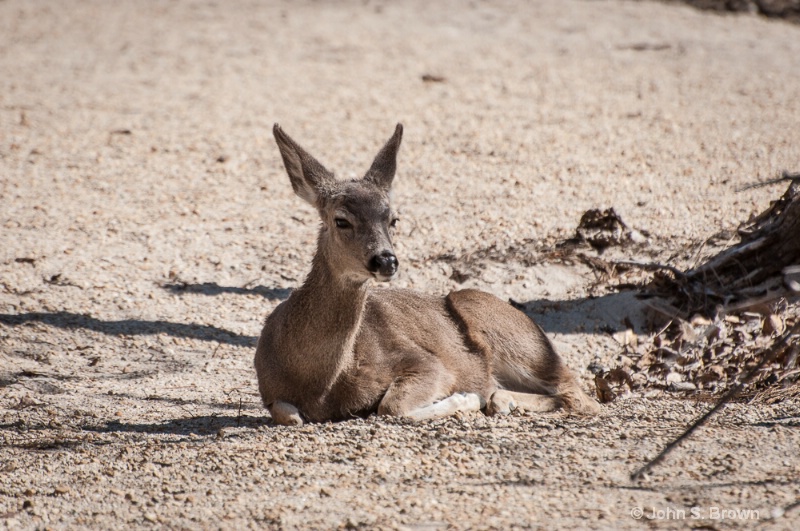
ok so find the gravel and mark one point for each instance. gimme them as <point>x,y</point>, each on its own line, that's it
<point>147,228</point>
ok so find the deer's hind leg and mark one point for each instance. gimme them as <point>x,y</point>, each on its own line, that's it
<point>528,370</point>
<point>504,401</point>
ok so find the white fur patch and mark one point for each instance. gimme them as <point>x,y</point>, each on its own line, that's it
<point>448,406</point>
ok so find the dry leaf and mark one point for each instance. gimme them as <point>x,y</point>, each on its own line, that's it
<point>603,389</point>
<point>773,324</point>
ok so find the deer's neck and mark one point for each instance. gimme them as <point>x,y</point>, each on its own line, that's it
<point>329,308</point>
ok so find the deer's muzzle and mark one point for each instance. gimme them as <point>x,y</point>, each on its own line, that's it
<point>383,265</point>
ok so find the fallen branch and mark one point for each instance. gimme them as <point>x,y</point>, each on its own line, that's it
<point>769,244</point>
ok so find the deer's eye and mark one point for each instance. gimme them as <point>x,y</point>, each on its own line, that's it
<point>393,223</point>
<point>342,223</point>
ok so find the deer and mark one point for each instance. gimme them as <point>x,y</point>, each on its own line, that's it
<point>341,347</point>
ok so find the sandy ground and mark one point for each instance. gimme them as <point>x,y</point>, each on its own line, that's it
<point>148,227</point>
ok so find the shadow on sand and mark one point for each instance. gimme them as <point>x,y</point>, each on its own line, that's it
<point>202,425</point>
<point>605,314</point>
<point>137,327</point>
<point>127,327</point>
<point>212,289</point>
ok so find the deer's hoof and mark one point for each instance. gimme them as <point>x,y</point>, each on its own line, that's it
<point>501,403</point>
<point>285,414</point>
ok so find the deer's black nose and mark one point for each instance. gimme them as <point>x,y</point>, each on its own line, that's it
<point>384,264</point>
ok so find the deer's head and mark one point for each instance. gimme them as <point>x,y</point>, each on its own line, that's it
<point>357,217</point>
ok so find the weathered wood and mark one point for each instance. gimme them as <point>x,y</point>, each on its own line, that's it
<point>769,244</point>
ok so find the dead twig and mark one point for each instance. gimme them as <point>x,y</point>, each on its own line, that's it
<point>769,356</point>
<point>756,301</point>
<point>651,266</point>
<point>785,176</point>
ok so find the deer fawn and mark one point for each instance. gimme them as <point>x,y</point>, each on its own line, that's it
<point>338,348</point>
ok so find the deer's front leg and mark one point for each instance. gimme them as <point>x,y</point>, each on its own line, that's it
<point>421,394</point>
<point>285,414</point>
<point>448,406</point>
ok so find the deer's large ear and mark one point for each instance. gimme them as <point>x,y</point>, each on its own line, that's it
<point>385,164</point>
<point>309,178</point>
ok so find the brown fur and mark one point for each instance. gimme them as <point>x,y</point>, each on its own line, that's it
<point>338,347</point>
